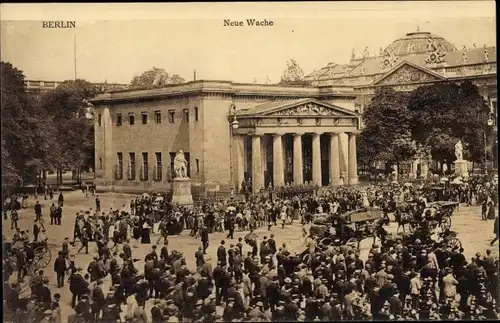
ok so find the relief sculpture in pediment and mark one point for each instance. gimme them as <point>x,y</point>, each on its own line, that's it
<point>407,74</point>
<point>309,109</point>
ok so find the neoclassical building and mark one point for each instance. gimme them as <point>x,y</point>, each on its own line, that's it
<point>268,134</point>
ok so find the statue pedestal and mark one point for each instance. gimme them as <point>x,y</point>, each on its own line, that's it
<point>181,191</point>
<point>461,168</point>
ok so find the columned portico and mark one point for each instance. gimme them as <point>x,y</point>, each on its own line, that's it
<point>334,159</point>
<point>322,160</point>
<point>257,170</point>
<point>353,163</point>
<point>298,168</point>
<point>316,159</point>
<point>278,171</point>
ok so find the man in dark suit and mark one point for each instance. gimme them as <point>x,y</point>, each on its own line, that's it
<point>204,238</point>
<point>38,210</point>
<point>222,254</point>
<point>219,280</point>
<point>60,268</point>
<point>198,255</point>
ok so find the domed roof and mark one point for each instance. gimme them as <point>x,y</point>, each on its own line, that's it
<point>417,42</point>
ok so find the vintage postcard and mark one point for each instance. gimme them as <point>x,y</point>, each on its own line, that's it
<point>240,162</point>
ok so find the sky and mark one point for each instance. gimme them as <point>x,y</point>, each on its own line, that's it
<point>114,42</point>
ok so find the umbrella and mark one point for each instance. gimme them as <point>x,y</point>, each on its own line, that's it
<point>159,199</point>
<point>444,179</point>
<point>408,184</point>
<point>457,181</point>
<point>230,208</point>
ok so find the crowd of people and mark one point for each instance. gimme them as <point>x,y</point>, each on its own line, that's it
<point>404,277</point>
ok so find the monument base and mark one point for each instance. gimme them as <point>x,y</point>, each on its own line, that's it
<point>461,168</point>
<point>181,191</point>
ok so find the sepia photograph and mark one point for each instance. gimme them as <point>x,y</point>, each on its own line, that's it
<point>249,162</point>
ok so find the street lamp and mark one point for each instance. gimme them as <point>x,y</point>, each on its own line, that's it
<point>233,125</point>
<point>489,123</point>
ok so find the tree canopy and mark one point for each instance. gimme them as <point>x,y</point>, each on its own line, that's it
<point>26,130</point>
<point>293,75</point>
<point>400,126</point>
<point>45,131</point>
<point>155,76</point>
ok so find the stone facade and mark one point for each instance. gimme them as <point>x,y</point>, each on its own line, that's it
<point>275,122</point>
<point>193,117</point>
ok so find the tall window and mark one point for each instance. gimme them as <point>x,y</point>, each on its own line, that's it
<point>145,167</point>
<point>131,166</point>
<point>119,166</point>
<point>171,116</point>
<point>196,114</point>
<point>197,166</point>
<point>99,120</point>
<point>131,118</point>
<point>144,117</point>
<point>158,167</point>
<point>186,115</point>
<point>172,157</point>
<point>158,116</point>
<point>100,163</point>
<point>118,119</point>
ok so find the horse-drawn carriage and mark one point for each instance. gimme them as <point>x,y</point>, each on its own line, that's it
<point>436,214</point>
<point>349,228</point>
<point>41,256</point>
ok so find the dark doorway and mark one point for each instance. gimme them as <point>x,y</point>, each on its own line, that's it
<point>325,159</point>
<point>288,156</point>
<point>307,157</point>
<point>267,143</point>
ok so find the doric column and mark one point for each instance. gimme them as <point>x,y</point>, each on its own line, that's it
<point>316,159</point>
<point>238,155</point>
<point>353,163</point>
<point>334,159</point>
<point>414,167</point>
<point>257,171</point>
<point>278,172</point>
<point>298,168</point>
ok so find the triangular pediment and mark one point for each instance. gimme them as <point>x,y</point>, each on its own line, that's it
<point>301,107</point>
<point>408,73</point>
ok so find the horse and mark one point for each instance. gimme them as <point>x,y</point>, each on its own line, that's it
<point>403,215</point>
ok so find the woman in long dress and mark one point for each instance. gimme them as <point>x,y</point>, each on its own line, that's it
<point>137,232</point>
<point>146,238</point>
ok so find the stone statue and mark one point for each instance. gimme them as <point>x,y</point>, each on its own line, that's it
<point>180,165</point>
<point>366,54</point>
<point>353,54</point>
<point>459,149</point>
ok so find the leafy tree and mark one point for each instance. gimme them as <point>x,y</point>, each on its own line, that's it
<point>26,130</point>
<point>387,128</point>
<point>155,76</point>
<point>74,136</point>
<point>444,113</point>
<point>293,75</point>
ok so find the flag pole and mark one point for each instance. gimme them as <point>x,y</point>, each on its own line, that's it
<point>74,52</point>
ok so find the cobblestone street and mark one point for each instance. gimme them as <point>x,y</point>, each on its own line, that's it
<point>473,233</point>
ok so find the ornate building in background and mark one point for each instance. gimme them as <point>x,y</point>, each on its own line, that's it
<point>418,58</point>
<point>284,134</point>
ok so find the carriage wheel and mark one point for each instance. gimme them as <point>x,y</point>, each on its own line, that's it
<point>455,243</point>
<point>353,243</point>
<point>42,257</point>
<point>306,258</point>
<point>326,242</point>
<point>13,260</point>
<point>445,222</point>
